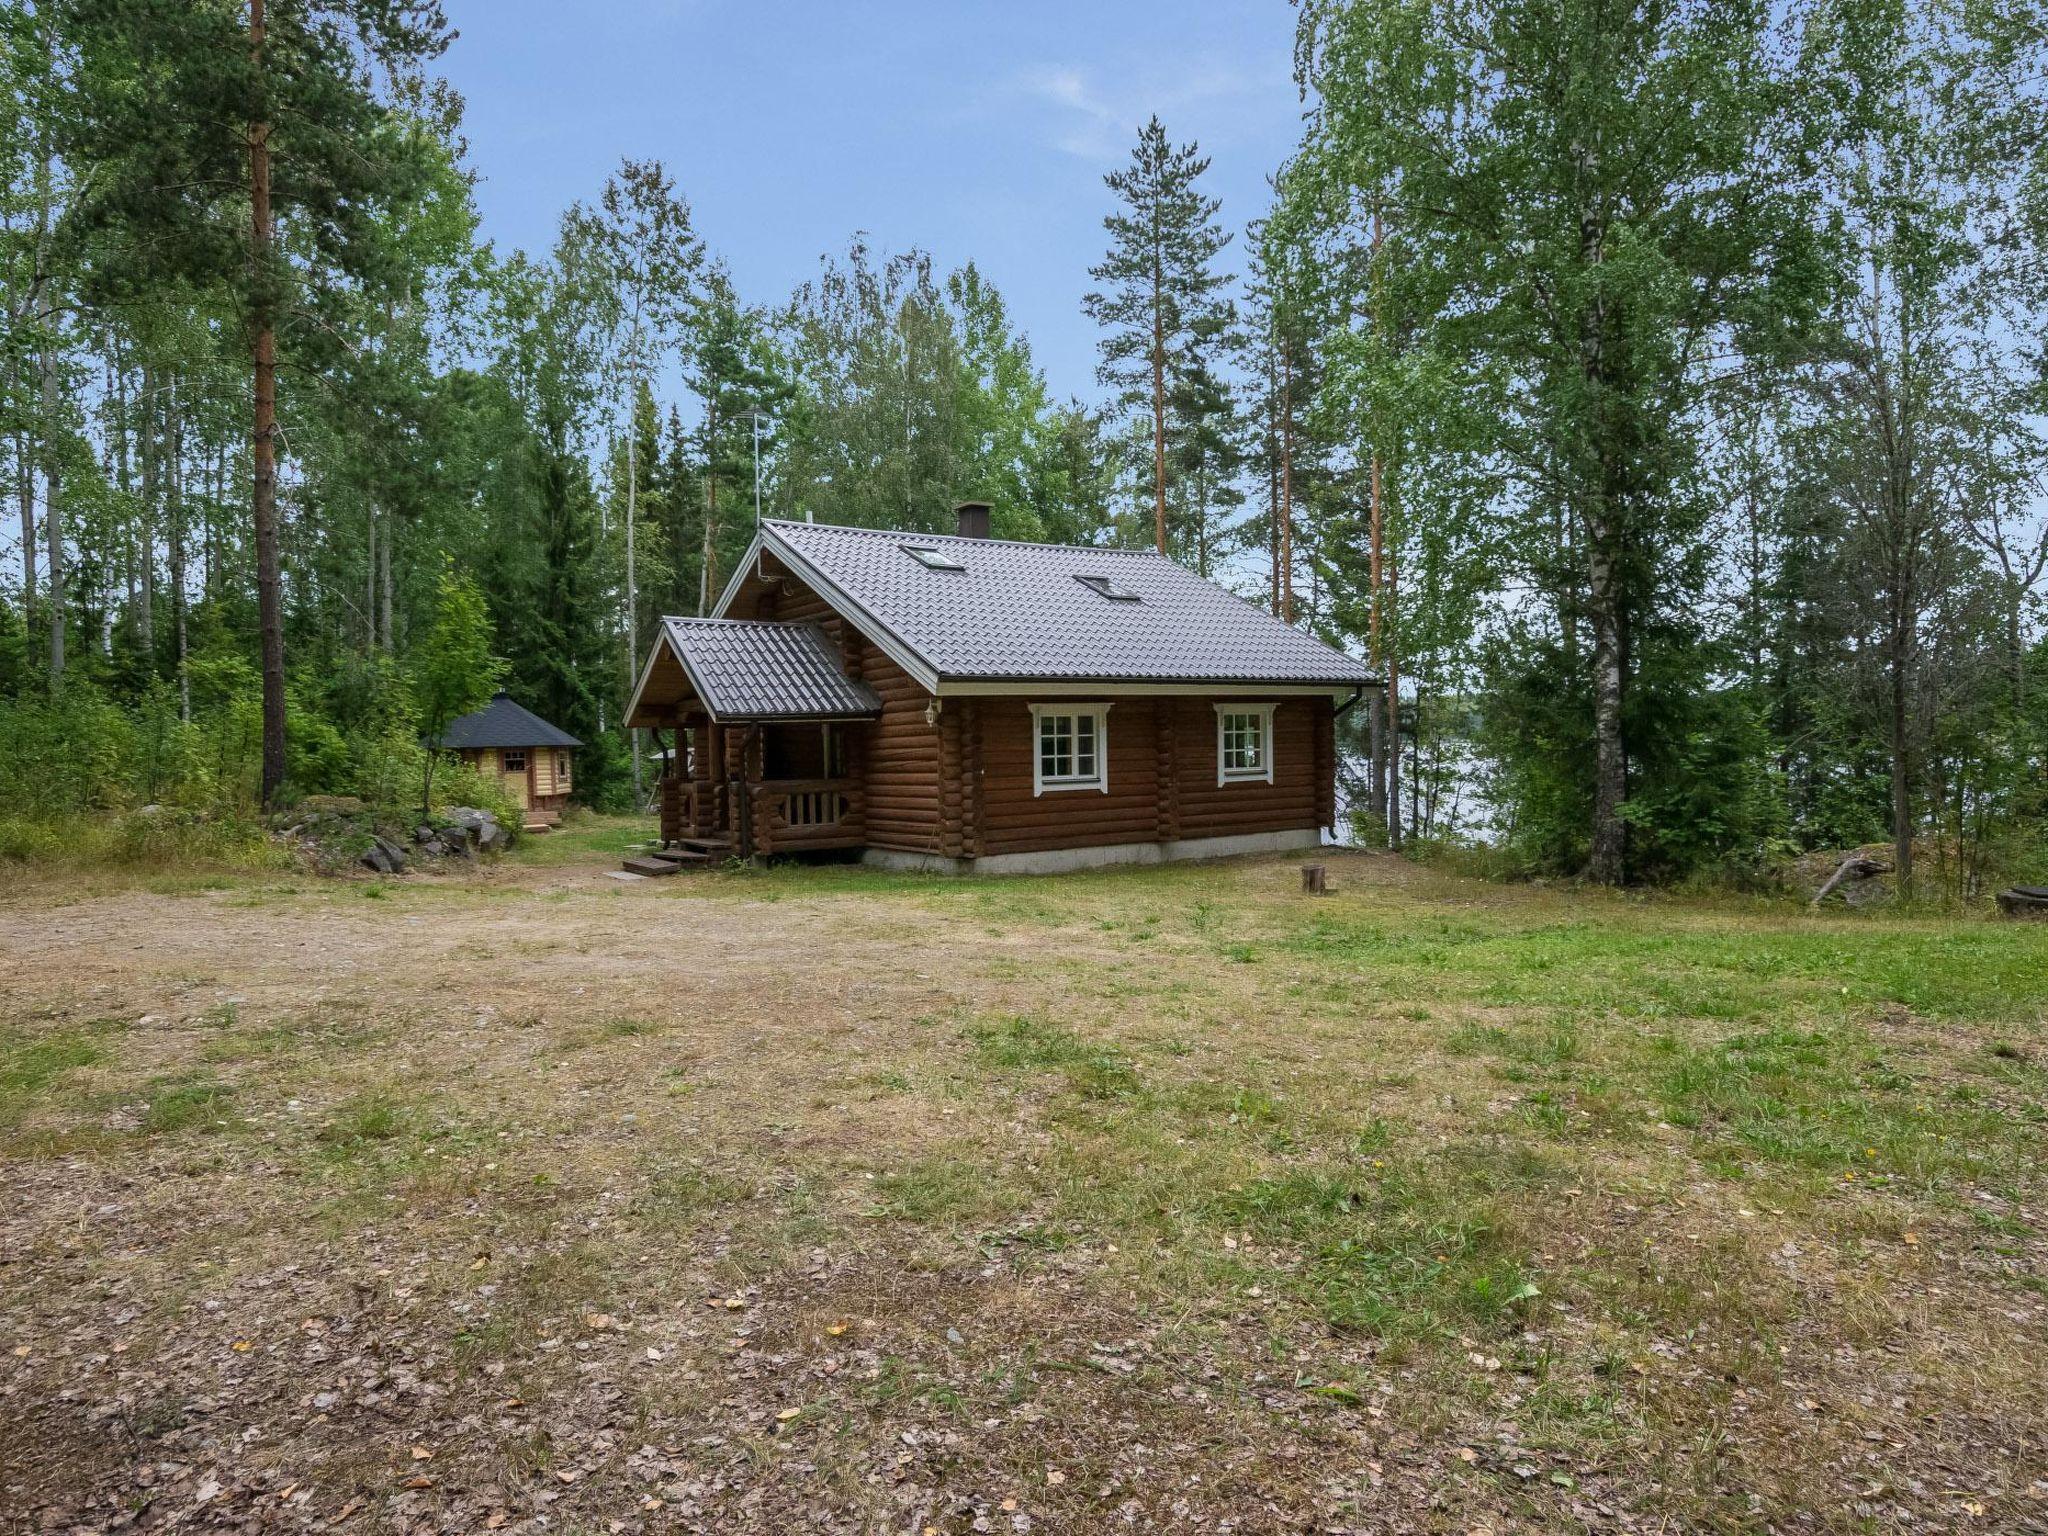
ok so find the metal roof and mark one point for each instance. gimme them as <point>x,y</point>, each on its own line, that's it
<point>749,670</point>
<point>1028,613</point>
<point>502,723</point>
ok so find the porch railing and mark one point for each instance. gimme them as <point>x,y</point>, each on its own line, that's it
<point>794,814</point>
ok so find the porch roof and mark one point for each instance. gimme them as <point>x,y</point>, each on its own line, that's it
<point>742,669</point>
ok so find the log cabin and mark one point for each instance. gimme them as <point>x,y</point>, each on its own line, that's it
<point>534,760</point>
<point>963,703</point>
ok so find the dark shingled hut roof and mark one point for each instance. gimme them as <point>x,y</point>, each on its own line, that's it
<point>502,723</point>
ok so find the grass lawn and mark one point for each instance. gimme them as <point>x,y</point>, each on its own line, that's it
<point>1163,1199</point>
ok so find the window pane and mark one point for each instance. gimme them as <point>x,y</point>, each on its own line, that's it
<point>1243,743</point>
<point>1069,748</point>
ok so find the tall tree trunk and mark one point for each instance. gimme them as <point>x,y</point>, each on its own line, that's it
<point>1286,487</point>
<point>53,506</point>
<point>1273,483</point>
<point>632,594</point>
<point>1393,703</point>
<point>145,576</point>
<point>269,583</point>
<point>707,572</point>
<point>1607,859</point>
<point>1387,717</point>
<point>1898,658</point>
<point>174,524</point>
<point>25,489</point>
<point>1607,862</point>
<point>370,580</point>
<point>1158,387</point>
<point>386,605</point>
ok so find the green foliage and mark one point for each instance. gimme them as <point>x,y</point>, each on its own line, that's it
<point>453,670</point>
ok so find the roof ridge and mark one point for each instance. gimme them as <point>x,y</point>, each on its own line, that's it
<point>669,618</point>
<point>914,536</point>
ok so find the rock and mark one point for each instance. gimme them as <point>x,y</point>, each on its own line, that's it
<point>331,805</point>
<point>384,856</point>
<point>483,830</point>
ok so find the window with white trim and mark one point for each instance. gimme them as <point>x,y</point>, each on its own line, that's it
<point>1071,747</point>
<point>1244,743</point>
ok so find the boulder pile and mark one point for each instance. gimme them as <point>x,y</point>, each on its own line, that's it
<point>337,832</point>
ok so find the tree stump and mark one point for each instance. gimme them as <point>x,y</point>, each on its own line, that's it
<point>1315,880</point>
<point>2028,901</point>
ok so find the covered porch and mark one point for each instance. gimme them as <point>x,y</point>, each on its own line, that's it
<point>767,731</point>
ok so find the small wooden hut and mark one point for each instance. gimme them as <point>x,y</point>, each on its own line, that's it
<point>534,760</point>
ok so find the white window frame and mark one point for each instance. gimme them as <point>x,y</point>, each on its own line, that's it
<point>1263,774</point>
<point>1099,780</point>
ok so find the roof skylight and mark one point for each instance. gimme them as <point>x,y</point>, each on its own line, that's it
<point>1107,586</point>
<point>930,558</point>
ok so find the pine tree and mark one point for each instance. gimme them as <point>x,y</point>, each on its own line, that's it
<point>245,154</point>
<point>1162,302</point>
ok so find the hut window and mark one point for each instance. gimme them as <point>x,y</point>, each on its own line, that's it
<point>1073,747</point>
<point>931,559</point>
<point>1244,743</point>
<point>562,766</point>
<point>515,759</point>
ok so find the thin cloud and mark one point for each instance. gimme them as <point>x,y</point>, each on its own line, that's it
<point>1092,121</point>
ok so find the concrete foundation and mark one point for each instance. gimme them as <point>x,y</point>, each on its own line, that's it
<point>1057,861</point>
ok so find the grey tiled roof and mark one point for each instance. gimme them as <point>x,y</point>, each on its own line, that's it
<point>1018,613</point>
<point>502,723</point>
<point>746,670</point>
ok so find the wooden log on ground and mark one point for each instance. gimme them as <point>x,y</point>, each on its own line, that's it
<point>2025,901</point>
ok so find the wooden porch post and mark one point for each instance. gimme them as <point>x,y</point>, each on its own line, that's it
<point>741,761</point>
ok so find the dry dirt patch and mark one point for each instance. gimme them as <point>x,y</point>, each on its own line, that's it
<point>1162,1200</point>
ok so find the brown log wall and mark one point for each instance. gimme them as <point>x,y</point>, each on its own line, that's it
<point>1162,778</point>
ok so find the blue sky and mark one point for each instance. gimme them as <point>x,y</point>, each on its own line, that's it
<point>970,129</point>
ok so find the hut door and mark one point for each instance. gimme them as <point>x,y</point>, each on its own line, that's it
<point>514,774</point>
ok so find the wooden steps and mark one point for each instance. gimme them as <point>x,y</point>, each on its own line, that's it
<point>681,858</point>
<point>696,853</point>
<point>540,821</point>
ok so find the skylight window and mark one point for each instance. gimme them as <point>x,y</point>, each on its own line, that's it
<point>1107,586</point>
<point>931,559</point>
